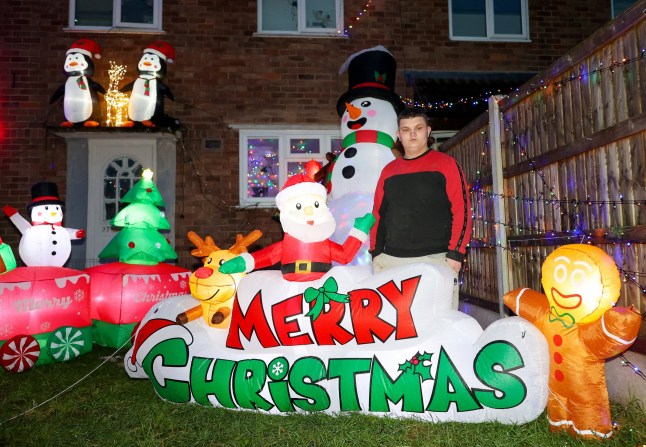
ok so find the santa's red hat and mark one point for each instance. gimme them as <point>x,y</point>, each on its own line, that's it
<point>163,50</point>
<point>87,47</point>
<point>298,185</point>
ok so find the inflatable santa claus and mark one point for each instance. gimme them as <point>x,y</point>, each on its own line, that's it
<point>306,253</point>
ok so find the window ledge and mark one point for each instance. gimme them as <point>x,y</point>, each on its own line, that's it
<point>114,30</point>
<point>491,39</point>
<point>333,35</point>
<point>253,206</point>
<point>112,132</point>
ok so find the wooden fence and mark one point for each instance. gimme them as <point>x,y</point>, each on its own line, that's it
<point>572,146</point>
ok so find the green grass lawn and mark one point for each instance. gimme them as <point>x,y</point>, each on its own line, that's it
<point>108,408</point>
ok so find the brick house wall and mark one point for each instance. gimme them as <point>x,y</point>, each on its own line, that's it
<point>223,74</point>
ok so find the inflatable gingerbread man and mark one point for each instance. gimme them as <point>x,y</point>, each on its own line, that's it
<point>582,328</point>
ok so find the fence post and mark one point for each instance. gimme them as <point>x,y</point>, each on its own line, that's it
<point>500,212</point>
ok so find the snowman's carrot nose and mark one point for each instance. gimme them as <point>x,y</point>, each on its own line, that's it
<point>354,112</point>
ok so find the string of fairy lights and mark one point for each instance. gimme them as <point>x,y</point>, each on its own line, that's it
<point>550,236</point>
<point>550,197</point>
<point>354,20</point>
<point>517,94</point>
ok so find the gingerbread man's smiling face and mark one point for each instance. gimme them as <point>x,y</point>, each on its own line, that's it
<point>581,282</point>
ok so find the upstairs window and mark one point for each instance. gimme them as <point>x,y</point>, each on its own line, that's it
<point>300,17</point>
<point>116,14</point>
<point>503,20</point>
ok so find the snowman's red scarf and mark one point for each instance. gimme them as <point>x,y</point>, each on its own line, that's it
<point>55,224</point>
<point>368,136</point>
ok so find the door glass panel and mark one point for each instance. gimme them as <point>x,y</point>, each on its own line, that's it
<point>124,172</point>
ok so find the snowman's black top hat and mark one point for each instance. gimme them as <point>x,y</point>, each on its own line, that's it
<point>371,73</point>
<point>44,193</point>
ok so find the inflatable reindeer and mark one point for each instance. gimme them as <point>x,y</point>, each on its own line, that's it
<point>215,290</point>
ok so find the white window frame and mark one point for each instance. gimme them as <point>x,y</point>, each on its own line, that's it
<point>283,134</point>
<point>117,24</point>
<point>303,30</point>
<point>491,36</point>
<point>440,137</point>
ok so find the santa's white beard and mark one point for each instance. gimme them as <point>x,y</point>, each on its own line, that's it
<point>322,229</point>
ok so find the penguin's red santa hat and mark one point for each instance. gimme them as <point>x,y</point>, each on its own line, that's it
<point>162,49</point>
<point>87,47</point>
<point>299,185</point>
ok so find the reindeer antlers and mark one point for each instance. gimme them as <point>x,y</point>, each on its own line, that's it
<point>204,247</point>
<point>243,242</point>
<point>207,246</point>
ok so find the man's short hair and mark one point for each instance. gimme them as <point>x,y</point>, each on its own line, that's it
<point>413,112</point>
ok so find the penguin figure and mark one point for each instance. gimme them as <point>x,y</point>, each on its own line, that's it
<point>80,102</point>
<point>146,104</point>
<point>44,242</point>
<point>368,112</point>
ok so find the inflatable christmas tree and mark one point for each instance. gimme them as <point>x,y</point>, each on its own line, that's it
<point>122,292</point>
<point>140,241</point>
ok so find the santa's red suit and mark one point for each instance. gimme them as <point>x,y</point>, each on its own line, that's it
<point>306,261</point>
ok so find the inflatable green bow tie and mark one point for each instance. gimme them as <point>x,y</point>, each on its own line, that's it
<point>323,295</point>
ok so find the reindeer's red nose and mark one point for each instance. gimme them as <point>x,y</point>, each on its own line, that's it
<point>203,272</point>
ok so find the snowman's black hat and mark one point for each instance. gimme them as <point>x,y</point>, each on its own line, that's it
<point>371,73</point>
<point>44,193</point>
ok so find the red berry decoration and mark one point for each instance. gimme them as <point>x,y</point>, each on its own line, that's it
<point>131,244</point>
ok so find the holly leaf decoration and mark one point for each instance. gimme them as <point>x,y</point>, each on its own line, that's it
<point>406,366</point>
<point>423,368</point>
<point>418,365</point>
<point>380,77</point>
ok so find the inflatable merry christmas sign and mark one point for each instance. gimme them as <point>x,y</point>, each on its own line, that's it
<point>387,344</point>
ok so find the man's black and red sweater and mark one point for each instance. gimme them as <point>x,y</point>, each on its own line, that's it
<point>422,207</point>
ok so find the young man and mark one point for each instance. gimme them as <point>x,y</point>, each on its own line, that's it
<point>421,204</point>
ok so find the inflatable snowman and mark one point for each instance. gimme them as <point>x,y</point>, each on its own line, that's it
<point>44,242</point>
<point>368,112</point>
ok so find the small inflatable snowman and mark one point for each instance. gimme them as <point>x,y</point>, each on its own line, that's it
<point>44,242</point>
<point>368,112</point>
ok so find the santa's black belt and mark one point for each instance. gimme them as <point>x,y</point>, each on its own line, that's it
<point>304,267</point>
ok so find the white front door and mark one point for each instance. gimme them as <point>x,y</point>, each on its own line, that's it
<point>114,166</point>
